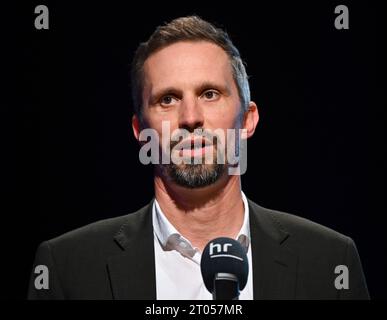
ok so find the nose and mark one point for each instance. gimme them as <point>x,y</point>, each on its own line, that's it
<point>191,115</point>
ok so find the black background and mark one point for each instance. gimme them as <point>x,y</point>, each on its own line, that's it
<point>69,158</point>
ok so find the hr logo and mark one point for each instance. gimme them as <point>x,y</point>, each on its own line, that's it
<point>221,251</point>
<point>218,247</point>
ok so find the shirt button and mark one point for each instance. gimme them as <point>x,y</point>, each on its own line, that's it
<point>183,245</point>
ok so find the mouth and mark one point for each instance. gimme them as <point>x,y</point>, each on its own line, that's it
<point>193,147</point>
<point>192,144</point>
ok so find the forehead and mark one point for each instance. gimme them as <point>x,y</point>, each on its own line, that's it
<point>188,62</point>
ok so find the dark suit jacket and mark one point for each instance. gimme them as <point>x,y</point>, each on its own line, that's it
<point>293,258</point>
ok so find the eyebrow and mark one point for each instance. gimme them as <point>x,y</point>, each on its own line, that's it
<point>154,97</point>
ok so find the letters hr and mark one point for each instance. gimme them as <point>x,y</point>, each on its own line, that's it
<point>218,247</point>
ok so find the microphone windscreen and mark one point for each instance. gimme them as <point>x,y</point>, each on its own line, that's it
<point>224,255</point>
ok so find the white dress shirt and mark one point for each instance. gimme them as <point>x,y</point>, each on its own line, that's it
<point>178,274</point>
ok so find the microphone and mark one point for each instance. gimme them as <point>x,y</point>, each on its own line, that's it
<point>224,268</point>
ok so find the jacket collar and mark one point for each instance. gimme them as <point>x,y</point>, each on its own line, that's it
<point>274,264</point>
<point>132,273</point>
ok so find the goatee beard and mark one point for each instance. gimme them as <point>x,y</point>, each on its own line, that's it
<point>194,175</point>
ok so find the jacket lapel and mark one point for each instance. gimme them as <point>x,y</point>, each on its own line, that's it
<point>132,273</point>
<point>274,265</point>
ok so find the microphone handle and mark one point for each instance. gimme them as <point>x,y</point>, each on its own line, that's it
<point>226,287</point>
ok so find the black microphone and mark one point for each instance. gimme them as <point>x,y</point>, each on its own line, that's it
<point>224,268</point>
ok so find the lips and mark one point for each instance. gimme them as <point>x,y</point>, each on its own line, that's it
<point>192,144</point>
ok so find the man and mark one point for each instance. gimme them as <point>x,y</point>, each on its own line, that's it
<point>190,77</point>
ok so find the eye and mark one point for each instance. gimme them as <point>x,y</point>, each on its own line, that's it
<point>167,100</point>
<point>210,95</point>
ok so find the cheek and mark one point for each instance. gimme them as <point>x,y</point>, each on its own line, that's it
<point>163,125</point>
<point>156,120</point>
<point>225,120</point>
<point>226,114</point>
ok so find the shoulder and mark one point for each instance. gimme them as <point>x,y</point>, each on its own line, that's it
<point>99,233</point>
<point>300,230</point>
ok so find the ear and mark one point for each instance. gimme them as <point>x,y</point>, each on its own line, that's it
<point>136,126</point>
<point>251,118</point>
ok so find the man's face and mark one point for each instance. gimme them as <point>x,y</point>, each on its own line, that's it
<point>191,85</point>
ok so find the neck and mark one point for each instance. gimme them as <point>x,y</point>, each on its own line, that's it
<point>202,214</point>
